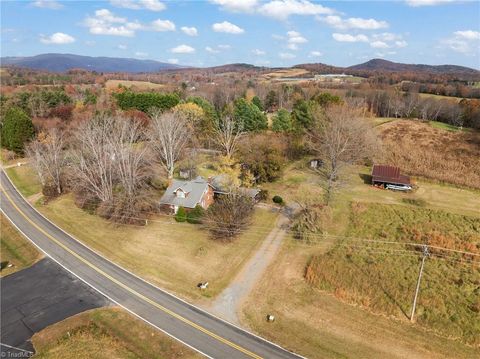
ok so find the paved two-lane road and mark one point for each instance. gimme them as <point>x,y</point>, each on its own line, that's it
<point>194,327</point>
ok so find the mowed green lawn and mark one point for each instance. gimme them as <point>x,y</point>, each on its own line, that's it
<point>176,256</point>
<point>106,333</point>
<point>25,179</point>
<point>15,249</point>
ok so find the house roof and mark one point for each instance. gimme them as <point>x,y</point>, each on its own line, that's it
<point>194,191</point>
<point>389,174</point>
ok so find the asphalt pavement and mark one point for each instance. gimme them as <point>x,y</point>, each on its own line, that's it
<point>37,297</point>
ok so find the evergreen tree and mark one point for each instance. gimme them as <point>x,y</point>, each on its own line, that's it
<point>181,215</point>
<point>282,121</point>
<point>17,129</point>
<point>302,115</point>
<point>257,102</point>
<point>249,116</point>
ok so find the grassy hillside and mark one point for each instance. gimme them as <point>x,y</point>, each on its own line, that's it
<point>436,153</point>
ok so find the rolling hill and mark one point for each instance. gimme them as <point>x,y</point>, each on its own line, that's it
<point>65,62</point>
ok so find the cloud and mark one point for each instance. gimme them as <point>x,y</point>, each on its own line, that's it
<point>315,54</point>
<point>286,55</point>
<point>122,47</point>
<point>465,41</point>
<point>379,45</point>
<point>227,27</point>
<point>163,25</point>
<point>418,3</point>
<point>48,4</point>
<point>353,23</point>
<point>183,49</point>
<point>218,49</point>
<point>258,52</point>
<point>141,55</point>
<point>106,23</point>
<point>190,31</point>
<point>468,34</point>
<point>282,9</point>
<point>401,43</point>
<point>236,5</point>
<point>349,37</point>
<point>211,50</point>
<point>58,38</point>
<point>173,61</point>
<point>152,5</point>
<point>294,38</point>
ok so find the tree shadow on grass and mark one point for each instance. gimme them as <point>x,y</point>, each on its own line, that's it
<point>367,179</point>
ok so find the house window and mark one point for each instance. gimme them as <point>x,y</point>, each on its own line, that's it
<point>180,194</point>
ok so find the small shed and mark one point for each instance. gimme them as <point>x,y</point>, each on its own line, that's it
<point>383,175</point>
<point>316,163</point>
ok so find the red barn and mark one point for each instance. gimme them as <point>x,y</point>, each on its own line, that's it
<point>384,175</point>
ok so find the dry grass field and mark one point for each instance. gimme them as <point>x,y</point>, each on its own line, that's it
<point>285,73</point>
<point>106,333</point>
<point>112,85</point>
<point>431,152</point>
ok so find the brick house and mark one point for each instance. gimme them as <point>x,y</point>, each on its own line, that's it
<point>187,194</point>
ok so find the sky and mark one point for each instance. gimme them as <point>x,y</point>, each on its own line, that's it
<point>265,33</point>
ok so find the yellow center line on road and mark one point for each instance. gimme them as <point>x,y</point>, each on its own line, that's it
<point>124,286</point>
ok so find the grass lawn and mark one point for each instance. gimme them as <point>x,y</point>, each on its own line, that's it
<point>176,256</point>
<point>106,333</point>
<point>25,179</point>
<point>16,249</point>
<point>446,126</point>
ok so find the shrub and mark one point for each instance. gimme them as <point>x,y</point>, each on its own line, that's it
<point>277,199</point>
<point>195,216</point>
<point>181,215</point>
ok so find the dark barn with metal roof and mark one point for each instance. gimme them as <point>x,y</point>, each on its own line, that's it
<point>384,174</point>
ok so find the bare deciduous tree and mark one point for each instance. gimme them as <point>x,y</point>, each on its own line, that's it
<point>228,216</point>
<point>341,136</point>
<point>48,158</point>
<point>93,158</point>
<point>109,161</point>
<point>227,134</point>
<point>169,134</point>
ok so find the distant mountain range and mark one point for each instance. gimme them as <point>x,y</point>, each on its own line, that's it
<point>65,62</point>
<point>389,66</point>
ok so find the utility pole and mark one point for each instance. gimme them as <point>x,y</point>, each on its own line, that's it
<point>425,255</point>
